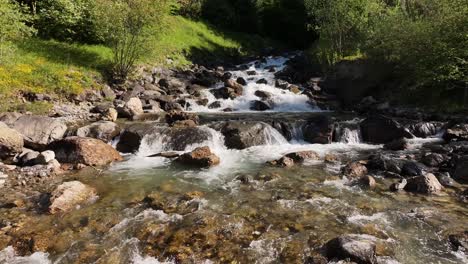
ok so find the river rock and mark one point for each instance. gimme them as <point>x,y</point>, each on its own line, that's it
<point>9,118</point>
<point>382,162</point>
<point>262,81</point>
<point>224,93</point>
<point>133,107</point>
<point>458,132</point>
<point>200,157</point>
<point>368,181</point>
<point>214,105</point>
<point>285,162</point>
<point>175,116</point>
<point>427,184</point>
<point>87,151</point>
<point>461,169</point>
<point>264,95</point>
<point>174,138</point>
<point>260,106</point>
<point>11,142</point>
<point>241,81</point>
<point>110,115</point>
<point>242,135</point>
<point>358,248</point>
<point>434,159</point>
<point>39,131</point>
<point>318,130</point>
<point>28,157</point>
<point>397,144</point>
<point>238,88</point>
<point>301,156</point>
<point>45,157</point>
<point>411,168</point>
<point>398,186</point>
<point>103,130</point>
<point>379,129</point>
<point>69,195</point>
<point>355,170</point>
<point>459,241</point>
<point>425,129</point>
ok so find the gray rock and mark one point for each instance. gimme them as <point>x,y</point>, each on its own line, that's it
<point>69,195</point>
<point>358,248</point>
<point>39,131</point>
<point>29,157</point>
<point>103,130</point>
<point>260,106</point>
<point>427,184</point>
<point>133,107</point>
<point>379,129</point>
<point>242,135</point>
<point>9,118</point>
<point>11,142</point>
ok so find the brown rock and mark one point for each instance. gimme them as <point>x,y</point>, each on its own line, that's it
<point>301,156</point>
<point>355,170</point>
<point>200,157</point>
<point>88,151</point>
<point>69,195</point>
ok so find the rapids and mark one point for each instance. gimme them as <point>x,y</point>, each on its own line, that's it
<point>151,210</point>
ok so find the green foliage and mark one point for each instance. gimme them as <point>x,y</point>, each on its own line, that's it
<point>127,26</point>
<point>343,26</point>
<point>427,40</point>
<point>12,27</point>
<point>68,20</point>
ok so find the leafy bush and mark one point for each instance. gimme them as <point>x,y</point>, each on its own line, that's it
<point>127,26</point>
<point>68,20</point>
<point>13,26</point>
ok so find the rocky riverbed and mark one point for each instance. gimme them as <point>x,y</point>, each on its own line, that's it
<point>256,163</point>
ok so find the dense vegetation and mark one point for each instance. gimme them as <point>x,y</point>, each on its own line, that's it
<point>66,45</point>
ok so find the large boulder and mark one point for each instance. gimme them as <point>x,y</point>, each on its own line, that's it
<point>39,131</point>
<point>173,138</point>
<point>11,142</point>
<point>242,135</point>
<point>200,157</point>
<point>379,129</point>
<point>87,151</point>
<point>426,184</point>
<point>260,106</point>
<point>318,130</point>
<point>69,195</point>
<point>357,248</point>
<point>103,130</point>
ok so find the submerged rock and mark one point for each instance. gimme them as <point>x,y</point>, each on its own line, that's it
<point>87,151</point>
<point>355,170</point>
<point>379,129</point>
<point>397,144</point>
<point>285,162</point>
<point>69,195</point>
<point>459,241</point>
<point>200,157</point>
<point>11,142</point>
<point>39,131</point>
<point>301,156</point>
<point>103,130</point>
<point>358,248</point>
<point>427,184</point>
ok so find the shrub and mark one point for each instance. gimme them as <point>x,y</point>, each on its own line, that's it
<point>13,26</point>
<point>127,26</point>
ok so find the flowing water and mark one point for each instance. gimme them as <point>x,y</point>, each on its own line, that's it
<point>242,211</point>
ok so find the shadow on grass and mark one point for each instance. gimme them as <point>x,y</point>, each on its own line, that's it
<point>90,57</point>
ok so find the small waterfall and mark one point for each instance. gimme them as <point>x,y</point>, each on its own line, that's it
<point>274,137</point>
<point>297,134</point>
<point>348,132</point>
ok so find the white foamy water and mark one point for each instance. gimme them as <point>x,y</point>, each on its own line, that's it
<point>282,100</point>
<point>8,256</point>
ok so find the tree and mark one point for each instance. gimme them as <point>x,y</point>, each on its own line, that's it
<point>127,26</point>
<point>13,25</point>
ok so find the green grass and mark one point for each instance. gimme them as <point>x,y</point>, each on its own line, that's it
<point>63,69</point>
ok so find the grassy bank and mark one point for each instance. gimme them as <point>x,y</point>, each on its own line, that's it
<point>62,69</point>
